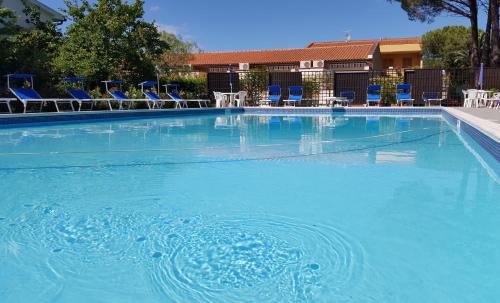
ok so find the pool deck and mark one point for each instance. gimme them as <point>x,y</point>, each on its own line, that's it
<point>484,119</point>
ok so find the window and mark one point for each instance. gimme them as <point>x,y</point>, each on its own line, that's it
<point>218,70</point>
<point>407,62</point>
<point>282,68</point>
<point>388,63</point>
<point>347,65</point>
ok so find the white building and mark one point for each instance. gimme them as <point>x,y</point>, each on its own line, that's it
<point>47,14</point>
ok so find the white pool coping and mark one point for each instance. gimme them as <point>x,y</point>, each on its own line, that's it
<point>488,127</point>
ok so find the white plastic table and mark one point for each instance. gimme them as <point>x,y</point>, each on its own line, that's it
<point>231,98</point>
<point>334,100</point>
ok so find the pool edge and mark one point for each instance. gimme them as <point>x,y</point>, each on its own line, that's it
<point>78,117</point>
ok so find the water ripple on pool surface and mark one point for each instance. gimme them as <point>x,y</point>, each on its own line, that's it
<point>90,237</point>
<point>237,258</point>
<point>254,259</point>
<point>69,252</point>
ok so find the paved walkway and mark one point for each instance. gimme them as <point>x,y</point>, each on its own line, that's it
<point>485,119</point>
<point>483,113</point>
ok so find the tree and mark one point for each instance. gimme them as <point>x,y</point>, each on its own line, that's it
<point>7,26</point>
<point>427,10</point>
<point>180,52</point>
<point>495,33</point>
<point>31,50</point>
<point>446,48</point>
<point>109,39</point>
<point>486,41</point>
<point>7,20</point>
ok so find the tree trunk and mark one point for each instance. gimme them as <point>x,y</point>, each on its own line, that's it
<point>495,34</point>
<point>474,33</point>
<point>486,47</point>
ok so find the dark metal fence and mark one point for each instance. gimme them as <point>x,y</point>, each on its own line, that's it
<point>317,86</point>
<point>424,81</point>
<point>219,82</point>
<point>350,81</point>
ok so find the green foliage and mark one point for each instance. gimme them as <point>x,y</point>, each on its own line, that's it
<point>191,87</point>
<point>7,20</point>
<point>255,83</point>
<point>96,93</point>
<point>134,93</point>
<point>32,51</point>
<point>388,84</point>
<point>427,10</point>
<point>109,39</point>
<point>311,87</point>
<point>178,55</point>
<point>421,10</point>
<point>447,47</point>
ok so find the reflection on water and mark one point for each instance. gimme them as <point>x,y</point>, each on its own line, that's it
<point>370,139</point>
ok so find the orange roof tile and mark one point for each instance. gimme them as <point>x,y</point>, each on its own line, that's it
<point>331,53</point>
<point>383,41</point>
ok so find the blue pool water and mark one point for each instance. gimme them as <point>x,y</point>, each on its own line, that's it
<point>244,208</point>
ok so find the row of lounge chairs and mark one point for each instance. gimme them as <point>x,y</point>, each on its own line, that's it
<point>373,96</point>
<point>28,95</point>
<point>295,94</point>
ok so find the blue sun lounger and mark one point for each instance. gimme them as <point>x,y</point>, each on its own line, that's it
<point>429,97</point>
<point>29,95</point>
<point>172,90</point>
<point>403,94</point>
<point>152,96</point>
<point>119,96</point>
<point>373,94</point>
<point>274,95</point>
<point>348,97</point>
<point>294,95</point>
<point>81,96</point>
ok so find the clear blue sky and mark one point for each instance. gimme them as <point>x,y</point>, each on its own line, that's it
<point>267,24</point>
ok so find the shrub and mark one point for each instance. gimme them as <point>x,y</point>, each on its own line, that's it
<point>311,88</point>
<point>190,87</point>
<point>255,84</point>
<point>388,84</point>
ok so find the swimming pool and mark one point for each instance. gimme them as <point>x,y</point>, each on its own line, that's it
<point>248,208</point>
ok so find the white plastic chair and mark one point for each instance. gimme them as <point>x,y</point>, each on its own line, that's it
<point>241,98</point>
<point>219,99</point>
<point>482,98</point>
<point>466,98</point>
<point>494,101</point>
<point>471,98</point>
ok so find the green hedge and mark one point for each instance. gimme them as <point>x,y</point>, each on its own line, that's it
<point>190,87</point>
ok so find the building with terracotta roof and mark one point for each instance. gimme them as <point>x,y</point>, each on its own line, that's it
<point>395,52</point>
<point>318,56</point>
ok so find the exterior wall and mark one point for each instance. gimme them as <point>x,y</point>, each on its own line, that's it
<point>46,14</point>
<point>397,61</point>
<point>374,63</point>
<point>378,62</point>
<point>290,67</point>
<point>401,55</point>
